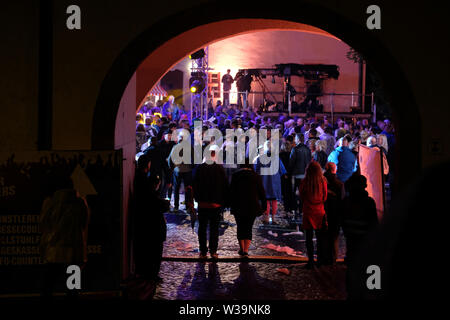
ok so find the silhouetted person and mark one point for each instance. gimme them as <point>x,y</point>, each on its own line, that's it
<point>182,172</point>
<point>211,192</point>
<point>247,201</point>
<point>150,224</point>
<point>227,81</point>
<point>166,145</point>
<point>359,214</point>
<point>344,159</point>
<point>286,184</point>
<point>409,245</point>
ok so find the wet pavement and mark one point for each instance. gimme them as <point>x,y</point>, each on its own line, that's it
<point>245,280</point>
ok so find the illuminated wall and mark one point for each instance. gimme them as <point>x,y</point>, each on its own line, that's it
<point>264,49</point>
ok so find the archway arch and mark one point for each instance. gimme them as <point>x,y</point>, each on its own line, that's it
<point>173,51</point>
<point>316,18</point>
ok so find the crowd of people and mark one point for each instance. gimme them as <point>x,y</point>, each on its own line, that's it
<point>318,179</point>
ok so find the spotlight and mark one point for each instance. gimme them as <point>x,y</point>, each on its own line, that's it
<point>197,82</point>
<point>198,54</point>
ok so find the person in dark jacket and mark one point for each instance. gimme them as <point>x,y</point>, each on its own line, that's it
<point>247,201</point>
<point>210,189</point>
<point>359,214</point>
<point>286,184</point>
<point>333,209</point>
<point>298,160</point>
<point>166,145</point>
<point>153,152</point>
<point>150,224</point>
<point>182,172</point>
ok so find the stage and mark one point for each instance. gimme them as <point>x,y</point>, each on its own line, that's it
<point>321,115</point>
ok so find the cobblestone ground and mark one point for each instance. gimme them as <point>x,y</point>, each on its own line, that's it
<point>246,280</point>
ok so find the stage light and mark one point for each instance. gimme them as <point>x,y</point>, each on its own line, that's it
<point>198,54</point>
<point>197,82</point>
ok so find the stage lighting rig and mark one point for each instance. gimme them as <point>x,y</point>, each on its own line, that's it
<point>197,82</point>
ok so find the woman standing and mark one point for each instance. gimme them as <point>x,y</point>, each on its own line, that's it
<point>319,153</point>
<point>247,201</point>
<point>313,192</point>
<point>271,182</point>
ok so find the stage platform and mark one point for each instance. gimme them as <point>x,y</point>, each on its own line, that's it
<point>321,115</point>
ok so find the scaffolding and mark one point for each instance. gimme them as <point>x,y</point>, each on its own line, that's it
<point>199,107</point>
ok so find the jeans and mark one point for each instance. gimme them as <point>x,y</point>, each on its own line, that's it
<point>178,177</point>
<point>226,98</point>
<point>211,216</point>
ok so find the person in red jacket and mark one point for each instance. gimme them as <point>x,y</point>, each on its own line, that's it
<point>313,193</point>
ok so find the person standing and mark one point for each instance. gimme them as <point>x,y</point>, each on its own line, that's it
<point>344,159</point>
<point>182,172</point>
<point>210,189</point>
<point>333,209</point>
<point>247,201</point>
<point>271,182</point>
<point>313,191</point>
<point>166,146</point>
<point>243,83</point>
<point>286,184</point>
<point>360,214</point>
<point>150,224</point>
<point>319,153</point>
<point>227,81</point>
<point>298,160</point>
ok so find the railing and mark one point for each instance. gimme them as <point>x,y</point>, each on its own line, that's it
<point>234,96</point>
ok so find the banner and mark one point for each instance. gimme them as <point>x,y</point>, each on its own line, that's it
<point>370,162</point>
<point>25,181</point>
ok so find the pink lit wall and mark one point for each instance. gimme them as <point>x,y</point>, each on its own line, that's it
<point>264,49</point>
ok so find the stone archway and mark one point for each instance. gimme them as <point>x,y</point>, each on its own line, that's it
<point>159,48</point>
<point>316,19</point>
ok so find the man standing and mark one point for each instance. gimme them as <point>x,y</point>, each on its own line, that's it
<point>166,146</point>
<point>344,159</point>
<point>211,192</point>
<point>182,172</point>
<point>299,158</point>
<point>227,80</point>
<point>243,83</point>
